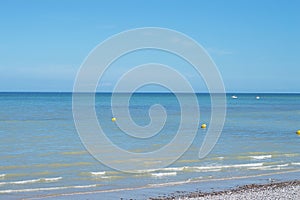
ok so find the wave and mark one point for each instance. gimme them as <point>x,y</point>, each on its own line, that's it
<point>261,168</point>
<point>155,185</point>
<point>212,168</point>
<point>164,174</point>
<point>201,168</point>
<point>194,169</point>
<point>283,165</point>
<point>175,169</point>
<point>216,158</point>
<point>143,171</point>
<point>230,166</point>
<point>102,175</point>
<point>48,189</point>
<point>270,167</point>
<point>107,177</point>
<point>196,179</point>
<point>291,154</point>
<point>35,174</point>
<point>217,168</point>
<point>45,180</point>
<point>296,163</point>
<point>98,173</point>
<point>262,157</point>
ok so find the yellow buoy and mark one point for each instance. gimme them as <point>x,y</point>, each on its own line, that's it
<point>113,119</point>
<point>203,126</point>
<point>298,132</point>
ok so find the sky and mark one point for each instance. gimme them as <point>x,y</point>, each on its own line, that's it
<point>255,44</point>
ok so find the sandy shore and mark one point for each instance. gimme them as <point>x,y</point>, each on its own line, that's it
<point>282,190</point>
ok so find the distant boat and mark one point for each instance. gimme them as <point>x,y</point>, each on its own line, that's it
<point>258,97</point>
<point>234,97</point>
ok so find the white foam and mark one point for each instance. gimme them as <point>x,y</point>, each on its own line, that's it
<point>246,165</point>
<point>148,170</point>
<point>31,181</point>
<point>261,168</point>
<point>2,175</point>
<point>47,189</point>
<point>270,167</point>
<point>283,165</point>
<point>229,166</point>
<point>175,169</point>
<point>164,174</point>
<point>195,179</point>
<point>296,163</point>
<point>51,179</point>
<point>261,157</point>
<point>155,185</point>
<point>213,168</point>
<point>98,173</point>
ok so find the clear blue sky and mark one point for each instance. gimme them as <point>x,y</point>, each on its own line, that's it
<point>255,44</point>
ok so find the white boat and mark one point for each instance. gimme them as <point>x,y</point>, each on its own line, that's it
<point>234,97</point>
<point>258,97</point>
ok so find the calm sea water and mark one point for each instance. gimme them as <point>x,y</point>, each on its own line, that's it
<point>41,153</point>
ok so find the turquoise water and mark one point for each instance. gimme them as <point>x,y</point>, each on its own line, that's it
<point>41,153</point>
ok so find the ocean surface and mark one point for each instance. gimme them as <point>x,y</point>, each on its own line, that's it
<point>41,154</point>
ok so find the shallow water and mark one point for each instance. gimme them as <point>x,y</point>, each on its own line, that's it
<point>41,152</point>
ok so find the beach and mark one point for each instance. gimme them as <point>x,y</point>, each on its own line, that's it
<point>278,190</point>
<point>263,188</point>
<point>149,100</point>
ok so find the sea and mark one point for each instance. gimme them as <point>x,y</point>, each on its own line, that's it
<point>42,155</point>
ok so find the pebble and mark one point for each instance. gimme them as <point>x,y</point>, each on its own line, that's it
<point>281,190</point>
<point>289,192</point>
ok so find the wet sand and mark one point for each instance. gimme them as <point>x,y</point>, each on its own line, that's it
<point>278,190</point>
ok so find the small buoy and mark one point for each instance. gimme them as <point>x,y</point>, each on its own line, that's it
<point>113,119</point>
<point>298,132</point>
<point>203,126</point>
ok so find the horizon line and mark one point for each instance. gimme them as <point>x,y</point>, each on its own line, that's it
<point>149,92</point>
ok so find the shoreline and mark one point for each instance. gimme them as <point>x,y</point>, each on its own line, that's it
<point>274,190</point>
<point>196,190</point>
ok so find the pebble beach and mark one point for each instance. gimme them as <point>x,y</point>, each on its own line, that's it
<point>281,190</point>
